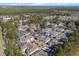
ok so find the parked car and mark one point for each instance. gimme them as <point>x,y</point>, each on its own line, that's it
<point>64,40</point>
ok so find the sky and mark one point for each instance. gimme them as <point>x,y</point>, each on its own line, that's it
<point>39,1</point>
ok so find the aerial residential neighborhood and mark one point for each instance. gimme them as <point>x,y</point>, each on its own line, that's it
<point>38,32</point>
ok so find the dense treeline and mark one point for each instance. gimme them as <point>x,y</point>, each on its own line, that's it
<point>10,50</point>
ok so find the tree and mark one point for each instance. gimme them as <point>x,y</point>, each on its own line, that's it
<point>11,28</point>
<point>35,19</point>
<point>11,50</point>
<point>55,20</point>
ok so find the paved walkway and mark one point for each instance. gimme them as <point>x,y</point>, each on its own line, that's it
<point>1,43</point>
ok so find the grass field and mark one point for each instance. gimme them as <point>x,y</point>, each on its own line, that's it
<point>20,10</point>
<point>13,10</point>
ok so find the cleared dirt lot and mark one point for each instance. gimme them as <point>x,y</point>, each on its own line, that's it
<point>1,44</point>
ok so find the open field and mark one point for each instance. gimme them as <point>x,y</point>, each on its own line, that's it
<point>21,10</point>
